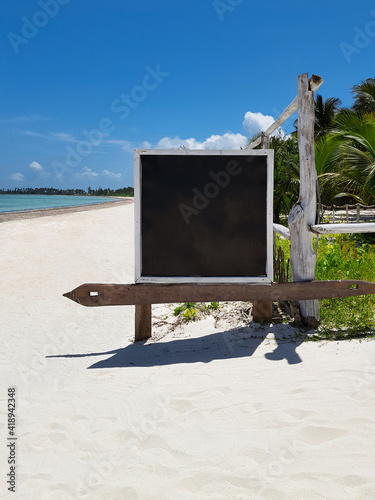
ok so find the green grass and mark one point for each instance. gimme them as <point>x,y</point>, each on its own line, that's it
<point>339,257</point>
<point>345,257</point>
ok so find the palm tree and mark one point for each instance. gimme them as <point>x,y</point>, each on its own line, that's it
<point>325,113</point>
<point>355,157</point>
<point>286,175</point>
<point>327,161</point>
<point>364,96</point>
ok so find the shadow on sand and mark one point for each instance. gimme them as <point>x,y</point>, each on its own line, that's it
<point>230,344</point>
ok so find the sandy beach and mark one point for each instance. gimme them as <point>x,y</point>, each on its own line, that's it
<point>203,412</point>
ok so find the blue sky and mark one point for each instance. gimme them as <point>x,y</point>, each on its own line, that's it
<point>84,82</point>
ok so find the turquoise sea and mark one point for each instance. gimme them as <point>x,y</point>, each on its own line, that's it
<point>21,202</point>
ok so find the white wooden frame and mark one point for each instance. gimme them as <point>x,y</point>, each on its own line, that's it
<point>137,216</point>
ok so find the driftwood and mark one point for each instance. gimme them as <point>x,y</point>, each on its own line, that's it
<point>282,230</point>
<point>365,227</point>
<point>292,108</point>
<point>314,83</point>
<point>303,214</point>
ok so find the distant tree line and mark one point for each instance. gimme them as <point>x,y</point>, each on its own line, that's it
<point>126,191</point>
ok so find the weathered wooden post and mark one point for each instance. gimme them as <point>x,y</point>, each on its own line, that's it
<point>142,322</point>
<point>303,214</point>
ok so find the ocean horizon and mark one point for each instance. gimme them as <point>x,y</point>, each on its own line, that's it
<point>27,202</point>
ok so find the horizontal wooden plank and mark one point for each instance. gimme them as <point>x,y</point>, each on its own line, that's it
<point>95,294</point>
<point>282,230</point>
<point>364,227</point>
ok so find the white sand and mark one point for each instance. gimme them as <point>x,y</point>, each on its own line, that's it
<point>203,414</point>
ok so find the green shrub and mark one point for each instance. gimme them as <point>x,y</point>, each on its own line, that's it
<point>189,310</point>
<point>189,314</point>
<point>178,310</point>
<point>344,257</point>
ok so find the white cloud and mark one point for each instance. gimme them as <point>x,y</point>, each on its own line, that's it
<point>38,169</point>
<point>112,175</point>
<point>35,134</point>
<point>63,136</point>
<point>28,118</point>
<point>226,141</point>
<point>128,146</point>
<point>56,136</point>
<point>16,177</point>
<point>36,166</point>
<point>87,172</point>
<point>254,123</point>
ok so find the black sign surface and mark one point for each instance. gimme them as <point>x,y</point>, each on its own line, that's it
<point>203,215</point>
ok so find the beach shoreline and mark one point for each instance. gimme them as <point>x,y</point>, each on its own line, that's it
<point>44,212</point>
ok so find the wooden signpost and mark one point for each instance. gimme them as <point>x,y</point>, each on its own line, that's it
<point>201,216</point>
<point>98,294</point>
<point>204,229</point>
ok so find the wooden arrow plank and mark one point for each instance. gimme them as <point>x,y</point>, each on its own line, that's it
<point>95,294</point>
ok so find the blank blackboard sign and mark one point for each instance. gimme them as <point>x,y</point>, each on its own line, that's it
<point>203,216</point>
